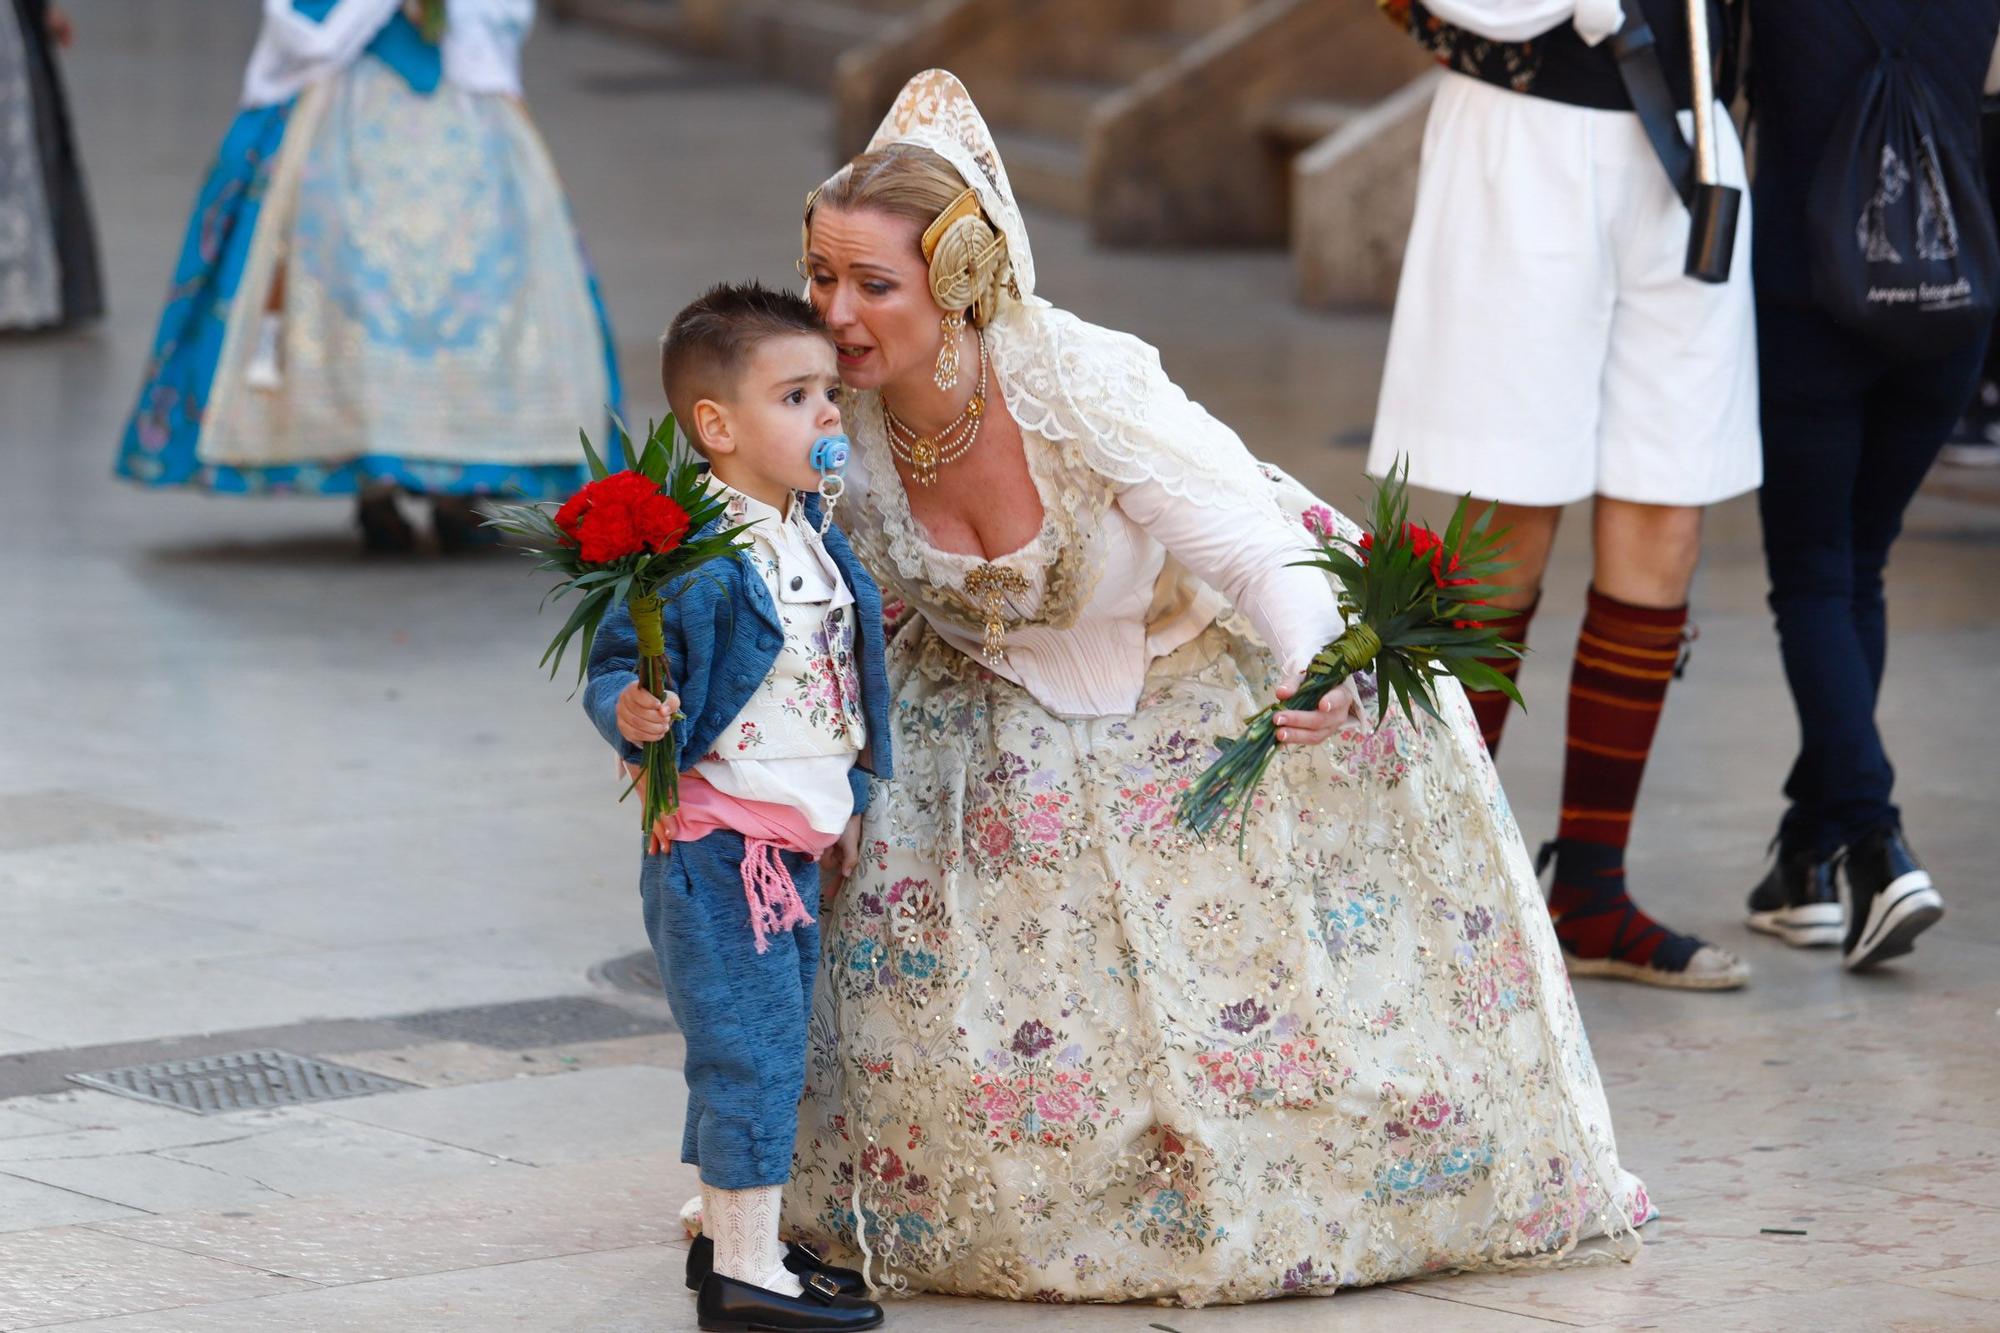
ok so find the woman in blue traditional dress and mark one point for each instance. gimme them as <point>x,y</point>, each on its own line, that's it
<point>381,289</point>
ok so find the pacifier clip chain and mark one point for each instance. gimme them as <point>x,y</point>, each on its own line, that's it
<point>828,456</point>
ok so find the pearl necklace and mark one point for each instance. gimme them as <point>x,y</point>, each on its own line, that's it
<point>927,453</point>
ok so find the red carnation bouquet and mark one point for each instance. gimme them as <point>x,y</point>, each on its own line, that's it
<point>621,540</point>
<point>1416,605</point>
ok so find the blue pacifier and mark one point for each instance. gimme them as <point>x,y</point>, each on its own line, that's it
<point>829,454</point>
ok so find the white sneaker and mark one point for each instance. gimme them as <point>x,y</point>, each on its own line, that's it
<point>1799,902</point>
<point>1970,453</point>
<point>1889,897</point>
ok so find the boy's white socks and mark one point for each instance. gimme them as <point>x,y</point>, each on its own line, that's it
<point>744,1226</point>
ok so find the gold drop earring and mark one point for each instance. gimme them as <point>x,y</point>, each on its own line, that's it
<point>947,362</point>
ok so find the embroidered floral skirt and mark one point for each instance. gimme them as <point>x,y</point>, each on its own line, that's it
<point>1060,1052</point>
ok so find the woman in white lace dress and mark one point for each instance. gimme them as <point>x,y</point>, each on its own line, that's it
<point>1059,1051</point>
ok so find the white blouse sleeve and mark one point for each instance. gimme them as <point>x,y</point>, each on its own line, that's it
<point>293,50</point>
<point>1247,554</point>
<point>482,44</point>
<point>1519,20</point>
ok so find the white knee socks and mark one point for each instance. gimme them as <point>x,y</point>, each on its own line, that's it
<point>744,1226</point>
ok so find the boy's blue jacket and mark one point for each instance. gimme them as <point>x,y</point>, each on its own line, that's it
<point>723,637</point>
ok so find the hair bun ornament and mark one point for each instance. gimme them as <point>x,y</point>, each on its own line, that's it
<point>968,259</point>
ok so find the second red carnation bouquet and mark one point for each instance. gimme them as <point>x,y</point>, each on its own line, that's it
<point>623,539</point>
<point>1417,605</point>
<point>429,18</point>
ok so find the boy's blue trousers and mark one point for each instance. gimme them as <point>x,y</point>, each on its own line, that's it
<point>744,1012</point>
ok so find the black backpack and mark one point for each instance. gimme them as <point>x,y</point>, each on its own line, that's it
<point>1898,230</point>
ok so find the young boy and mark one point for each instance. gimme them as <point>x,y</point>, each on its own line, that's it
<point>781,713</point>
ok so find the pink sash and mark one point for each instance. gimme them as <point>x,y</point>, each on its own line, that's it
<point>768,829</point>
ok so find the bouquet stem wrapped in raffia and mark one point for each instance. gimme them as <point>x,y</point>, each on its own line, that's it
<point>624,538</point>
<point>1416,606</point>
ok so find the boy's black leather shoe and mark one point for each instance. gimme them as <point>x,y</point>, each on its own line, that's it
<point>725,1305</point>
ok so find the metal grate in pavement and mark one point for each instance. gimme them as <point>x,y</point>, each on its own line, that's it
<point>239,1081</point>
<point>564,1020</point>
<point>637,973</point>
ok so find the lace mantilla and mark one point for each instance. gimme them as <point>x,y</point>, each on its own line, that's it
<point>1106,396</point>
<point>935,111</point>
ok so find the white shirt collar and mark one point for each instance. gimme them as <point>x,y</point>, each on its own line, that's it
<point>804,570</point>
<point>744,508</point>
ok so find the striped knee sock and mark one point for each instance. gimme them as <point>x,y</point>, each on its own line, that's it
<point>1490,707</point>
<point>1625,658</point>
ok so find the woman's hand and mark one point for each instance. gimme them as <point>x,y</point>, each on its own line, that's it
<point>642,718</point>
<point>1337,711</point>
<point>59,28</point>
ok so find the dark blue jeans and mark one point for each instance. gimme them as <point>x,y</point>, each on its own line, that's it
<point>744,1012</point>
<point>1848,437</point>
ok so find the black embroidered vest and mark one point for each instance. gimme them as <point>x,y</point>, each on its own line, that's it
<point>1560,66</point>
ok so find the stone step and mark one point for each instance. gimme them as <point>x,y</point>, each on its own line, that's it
<point>1193,17</point>
<point>1297,125</point>
<point>802,39</point>
<point>1119,59</point>
<point>650,20</point>
<point>1049,107</point>
<point>1046,172</point>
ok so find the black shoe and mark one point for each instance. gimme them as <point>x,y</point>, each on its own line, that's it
<point>800,1260</point>
<point>384,530</point>
<point>1889,898</point>
<point>1799,901</point>
<point>725,1305</point>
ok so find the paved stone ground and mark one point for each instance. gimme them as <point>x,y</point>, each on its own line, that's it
<point>256,791</point>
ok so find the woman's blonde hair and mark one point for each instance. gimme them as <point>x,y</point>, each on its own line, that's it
<point>967,256</point>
